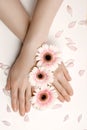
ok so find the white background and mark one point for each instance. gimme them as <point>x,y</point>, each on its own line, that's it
<point>68,23</point>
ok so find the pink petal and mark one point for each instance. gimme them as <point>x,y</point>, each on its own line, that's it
<point>58,34</point>
<point>70,44</point>
<point>26,118</point>
<point>72,47</point>
<point>69,63</point>
<point>79,118</point>
<point>69,39</point>
<point>69,9</point>
<point>1,64</point>
<point>7,93</point>
<point>57,106</point>
<point>6,71</point>
<point>6,123</point>
<point>81,72</point>
<point>72,24</point>
<point>8,108</point>
<point>66,117</point>
<point>5,66</point>
<point>83,22</point>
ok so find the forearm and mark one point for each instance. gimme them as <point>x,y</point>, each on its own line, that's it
<point>44,14</point>
<point>15,17</point>
<point>39,28</point>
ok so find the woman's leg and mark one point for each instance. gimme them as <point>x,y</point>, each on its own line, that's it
<point>15,17</point>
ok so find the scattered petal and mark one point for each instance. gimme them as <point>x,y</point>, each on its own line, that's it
<point>83,22</point>
<point>79,118</point>
<point>6,92</point>
<point>1,64</point>
<point>26,118</point>
<point>66,117</point>
<point>72,47</point>
<point>58,34</point>
<point>5,66</point>
<point>6,123</point>
<point>69,63</point>
<point>72,24</point>
<point>57,106</point>
<point>69,9</point>
<point>81,72</point>
<point>8,108</point>
<point>70,43</point>
<point>6,71</point>
<point>69,39</point>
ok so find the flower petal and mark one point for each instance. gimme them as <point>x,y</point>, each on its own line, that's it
<point>56,106</point>
<point>7,123</point>
<point>79,118</point>
<point>8,108</point>
<point>6,92</point>
<point>83,22</point>
<point>58,34</point>
<point>69,10</point>
<point>69,63</point>
<point>72,47</point>
<point>66,117</point>
<point>72,24</point>
<point>26,118</point>
<point>81,72</point>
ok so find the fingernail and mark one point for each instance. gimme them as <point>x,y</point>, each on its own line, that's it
<point>15,109</point>
<point>6,87</point>
<point>70,78</point>
<point>71,93</point>
<point>68,99</point>
<point>22,113</point>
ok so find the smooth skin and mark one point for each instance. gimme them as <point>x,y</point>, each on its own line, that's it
<point>32,35</point>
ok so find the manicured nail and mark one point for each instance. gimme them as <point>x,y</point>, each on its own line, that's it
<point>22,113</point>
<point>15,109</point>
<point>71,93</point>
<point>68,99</point>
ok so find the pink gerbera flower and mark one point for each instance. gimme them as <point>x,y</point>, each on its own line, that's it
<point>44,97</point>
<point>48,57</point>
<point>40,77</point>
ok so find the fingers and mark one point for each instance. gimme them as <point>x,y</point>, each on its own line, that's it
<point>14,98</point>
<point>27,99</point>
<point>60,97</point>
<point>62,92</point>
<point>66,85</point>
<point>61,83</point>
<point>22,102</point>
<point>65,71</point>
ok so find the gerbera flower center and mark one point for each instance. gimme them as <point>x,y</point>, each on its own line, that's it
<point>43,97</point>
<point>48,57</point>
<point>40,76</point>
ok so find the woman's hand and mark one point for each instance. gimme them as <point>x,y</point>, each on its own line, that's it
<point>20,88</point>
<point>61,83</point>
